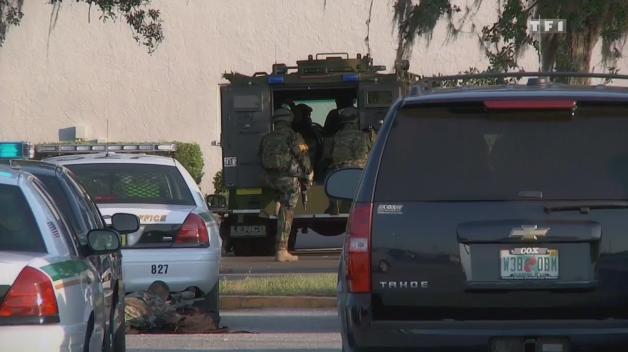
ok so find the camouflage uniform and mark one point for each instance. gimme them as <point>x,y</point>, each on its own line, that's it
<point>150,310</point>
<point>350,147</point>
<point>303,125</point>
<point>285,159</point>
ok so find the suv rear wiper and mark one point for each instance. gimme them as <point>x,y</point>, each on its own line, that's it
<point>585,207</point>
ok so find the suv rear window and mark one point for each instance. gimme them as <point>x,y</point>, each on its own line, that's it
<point>461,152</point>
<point>133,183</point>
<point>18,229</point>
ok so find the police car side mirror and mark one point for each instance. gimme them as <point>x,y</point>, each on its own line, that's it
<point>103,241</point>
<point>125,223</point>
<point>217,203</point>
<point>343,183</point>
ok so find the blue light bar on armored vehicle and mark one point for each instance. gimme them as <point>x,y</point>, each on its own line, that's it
<point>350,77</point>
<point>16,150</point>
<point>276,79</point>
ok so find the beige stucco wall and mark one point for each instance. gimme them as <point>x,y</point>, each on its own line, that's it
<point>83,74</point>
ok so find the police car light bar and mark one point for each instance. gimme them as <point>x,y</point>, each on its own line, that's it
<point>99,148</point>
<point>16,150</point>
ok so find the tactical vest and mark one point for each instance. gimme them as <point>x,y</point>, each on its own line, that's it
<point>351,147</point>
<point>277,154</point>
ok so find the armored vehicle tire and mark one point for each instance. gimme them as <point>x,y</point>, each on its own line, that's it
<point>328,228</point>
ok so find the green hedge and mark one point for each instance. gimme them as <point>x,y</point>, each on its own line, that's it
<point>191,157</point>
<point>219,183</point>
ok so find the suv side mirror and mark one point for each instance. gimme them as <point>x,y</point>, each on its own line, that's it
<point>342,184</point>
<point>125,223</point>
<point>103,241</point>
<point>217,203</point>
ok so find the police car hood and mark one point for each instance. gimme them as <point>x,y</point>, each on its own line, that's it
<point>149,213</point>
<point>11,263</point>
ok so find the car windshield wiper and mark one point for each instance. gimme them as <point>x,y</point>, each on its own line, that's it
<point>585,207</point>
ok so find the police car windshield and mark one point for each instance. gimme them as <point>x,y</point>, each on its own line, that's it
<point>133,183</point>
<point>455,152</point>
<point>18,229</point>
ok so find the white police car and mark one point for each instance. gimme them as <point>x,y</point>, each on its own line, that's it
<point>51,296</point>
<point>178,241</point>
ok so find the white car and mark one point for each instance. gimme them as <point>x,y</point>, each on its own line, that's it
<point>178,241</point>
<point>51,296</point>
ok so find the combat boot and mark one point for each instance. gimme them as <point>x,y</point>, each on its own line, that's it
<point>283,256</point>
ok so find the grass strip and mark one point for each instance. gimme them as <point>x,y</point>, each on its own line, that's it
<point>321,285</point>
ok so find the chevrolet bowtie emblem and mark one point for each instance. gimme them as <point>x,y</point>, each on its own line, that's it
<point>529,232</point>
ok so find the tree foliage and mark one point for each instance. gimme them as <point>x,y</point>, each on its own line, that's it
<point>145,23</point>
<point>219,183</point>
<point>191,157</point>
<point>504,41</point>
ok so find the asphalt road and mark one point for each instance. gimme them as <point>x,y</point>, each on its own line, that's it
<point>254,330</point>
<point>321,262</point>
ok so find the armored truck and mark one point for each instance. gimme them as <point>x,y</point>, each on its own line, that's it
<point>323,83</point>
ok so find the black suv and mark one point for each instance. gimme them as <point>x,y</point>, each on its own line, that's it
<point>81,215</point>
<point>490,219</point>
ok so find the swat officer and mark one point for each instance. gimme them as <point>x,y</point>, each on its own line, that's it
<point>303,125</point>
<point>285,159</point>
<point>332,121</point>
<point>349,147</point>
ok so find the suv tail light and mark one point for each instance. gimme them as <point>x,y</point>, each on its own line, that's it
<point>359,248</point>
<point>31,296</point>
<point>193,233</point>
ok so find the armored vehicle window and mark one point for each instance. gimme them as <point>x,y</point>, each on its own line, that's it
<point>247,102</point>
<point>18,229</point>
<point>379,97</point>
<point>133,183</point>
<point>463,153</point>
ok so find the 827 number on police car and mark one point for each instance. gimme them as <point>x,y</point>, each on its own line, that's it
<point>159,269</point>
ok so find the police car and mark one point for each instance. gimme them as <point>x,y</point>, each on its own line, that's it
<point>51,296</point>
<point>178,241</point>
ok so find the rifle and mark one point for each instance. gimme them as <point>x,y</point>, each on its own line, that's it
<point>304,198</point>
<point>305,185</point>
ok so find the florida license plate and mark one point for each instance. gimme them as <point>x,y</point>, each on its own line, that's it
<point>529,264</point>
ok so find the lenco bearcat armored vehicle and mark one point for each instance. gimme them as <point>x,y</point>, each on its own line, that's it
<point>321,84</point>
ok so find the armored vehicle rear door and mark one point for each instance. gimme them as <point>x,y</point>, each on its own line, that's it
<point>246,114</point>
<point>374,99</point>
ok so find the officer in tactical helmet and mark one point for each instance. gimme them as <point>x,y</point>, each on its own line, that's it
<point>303,125</point>
<point>332,121</point>
<point>350,146</point>
<point>285,159</point>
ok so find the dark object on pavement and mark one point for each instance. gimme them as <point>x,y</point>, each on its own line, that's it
<point>156,310</point>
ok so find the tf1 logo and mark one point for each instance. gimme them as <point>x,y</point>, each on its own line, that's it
<point>547,26</point>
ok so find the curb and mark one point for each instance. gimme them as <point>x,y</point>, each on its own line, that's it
<point>262,302</point>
